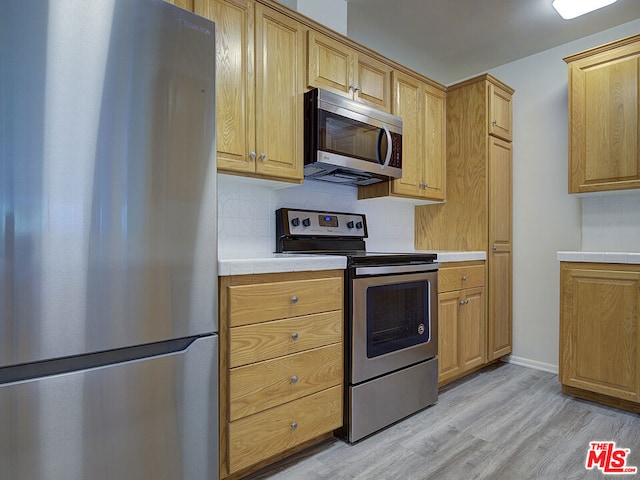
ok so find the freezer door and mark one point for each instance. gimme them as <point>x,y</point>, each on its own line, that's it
<point>154,419</point>
<point>107,176</point>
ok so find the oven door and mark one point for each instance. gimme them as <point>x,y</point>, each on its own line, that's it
<point>394,319</point>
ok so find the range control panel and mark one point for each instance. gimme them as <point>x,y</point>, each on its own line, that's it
<point>318,223</point>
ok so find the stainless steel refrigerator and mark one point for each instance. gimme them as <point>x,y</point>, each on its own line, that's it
<point>108,252</point>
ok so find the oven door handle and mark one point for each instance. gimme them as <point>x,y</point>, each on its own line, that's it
<point>382,270</point>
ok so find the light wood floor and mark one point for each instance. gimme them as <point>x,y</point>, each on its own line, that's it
<point>504,422</point>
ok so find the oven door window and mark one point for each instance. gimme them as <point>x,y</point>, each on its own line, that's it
<point>397,317</point>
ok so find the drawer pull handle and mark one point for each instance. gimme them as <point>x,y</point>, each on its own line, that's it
<point>294,299</point>
<point>294,379</point>
<point>464,278</point>
<point>294,425</point>
<point>294,336</point>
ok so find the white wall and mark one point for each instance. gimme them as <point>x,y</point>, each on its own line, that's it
<point>331,13</point>
<point>246,218</point>
<point>546,218</point>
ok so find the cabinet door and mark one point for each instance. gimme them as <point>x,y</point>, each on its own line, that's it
<point>603,103</point>
<point>473,349</point>
<point>279,94</point>
<point>434,144</point>
<point>500,113</point>
<point>448,354</point>
<point>500,232</point>
<point>235,95</point>
<point>407,94</point>
<point>330,64</point>
<point>373,82</point>
<point>600,330</point>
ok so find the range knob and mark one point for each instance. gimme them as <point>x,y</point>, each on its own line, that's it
<point>295,222</point>
<point>350,224</point>
<point>306,222</point>
<point>359,225</point>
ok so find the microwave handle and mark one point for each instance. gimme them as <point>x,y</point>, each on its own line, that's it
<point>387,158</point>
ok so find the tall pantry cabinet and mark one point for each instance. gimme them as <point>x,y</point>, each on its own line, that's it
<point>477,214</point>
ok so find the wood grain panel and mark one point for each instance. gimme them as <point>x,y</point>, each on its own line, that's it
<point>373,79</point>
<point>457,278</point>
<point>186,4</point>
<point>600,329</point>
<point>448,351</point>
<point>472,339</point>
<point>434,143</point>
<point>611,122</point>
<point>604,109</point>
<point>329,64</point>
<point>235,90</point>
<point>265,434</point>
<point>255,343</point>
<point>270,301</point>
<point>279,101</point>
<point>259,386</point>
<point>500,112</point>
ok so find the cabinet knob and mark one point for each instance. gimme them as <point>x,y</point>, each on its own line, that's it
<point>352,87</point>
<point>294,336</point>
<point>294,299</point>
<point>494,123</point>
<point>294,379</point>
<point>294,425</point>
<point>461,302</point>
<point>495,248</point>
<point>263,156</point>
<point>252,155</point>
<point>466,302</point>
<point>358,89</point>
<point>464,278</point>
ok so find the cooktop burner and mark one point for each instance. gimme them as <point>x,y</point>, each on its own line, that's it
<point>335,233</point>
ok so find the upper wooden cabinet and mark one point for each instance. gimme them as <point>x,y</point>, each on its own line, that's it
<point>500,113</point>
<point>259,87</point>
<point>186,4</point>
<point>336,67</point>
<point>600,332</point>
<point>422,108</point>
<point>603,117</point>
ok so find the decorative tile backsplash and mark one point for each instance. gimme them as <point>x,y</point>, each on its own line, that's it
<point>246,220</point>
<point>611,223</point>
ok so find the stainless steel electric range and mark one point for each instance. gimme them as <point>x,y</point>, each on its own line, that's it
<point>391,318</point>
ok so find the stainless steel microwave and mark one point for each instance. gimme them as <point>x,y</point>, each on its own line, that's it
<point>348,142</point>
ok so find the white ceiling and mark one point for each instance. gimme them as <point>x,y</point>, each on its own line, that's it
<point>449,40</point>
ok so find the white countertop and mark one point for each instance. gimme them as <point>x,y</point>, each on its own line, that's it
<point>599,257</point>
<point>278,262</point>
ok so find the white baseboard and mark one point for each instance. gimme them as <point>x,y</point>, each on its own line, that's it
<point>525,362</point>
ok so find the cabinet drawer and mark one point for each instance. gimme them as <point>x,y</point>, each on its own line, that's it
<point>262,341</point>
<point>263,385</point>
<point>268,433</point>
<point>457,278</point>
<point>270,301</point>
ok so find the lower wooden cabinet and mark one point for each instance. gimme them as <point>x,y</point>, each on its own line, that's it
<point>281,365</point>
<point>600,332</point>
<point>462,325</point>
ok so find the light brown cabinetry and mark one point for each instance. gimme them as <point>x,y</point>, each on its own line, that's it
<point>603,117</point>
<point>259,87</point>
<point>186,4</point>
<point>422,108</point>
<point>334,66</point>
<point>478,212</point>
<point>600,332</point>
<point>461,320</point>
<point>281,365</point>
